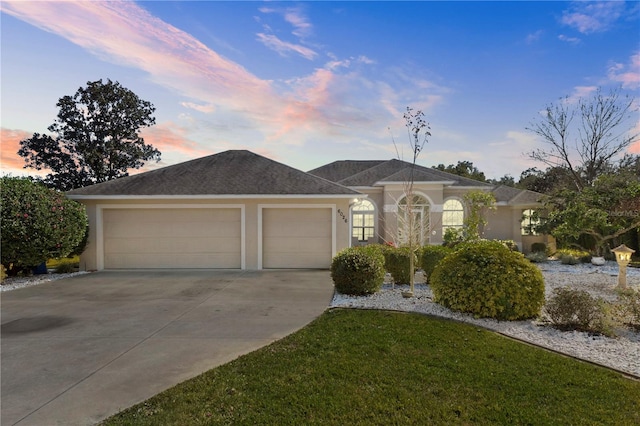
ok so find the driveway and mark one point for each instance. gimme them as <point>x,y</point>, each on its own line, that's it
<point>78,350</point>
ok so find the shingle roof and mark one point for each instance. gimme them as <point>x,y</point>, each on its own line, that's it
<point>235,172</point>
<point>339,170</point>
<point>510,195</point>
<point>368,173</point>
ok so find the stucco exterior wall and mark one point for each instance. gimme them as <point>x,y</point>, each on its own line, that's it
<point>89,260</point>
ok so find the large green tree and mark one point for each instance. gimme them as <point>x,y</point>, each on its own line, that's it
<point>95,138</point>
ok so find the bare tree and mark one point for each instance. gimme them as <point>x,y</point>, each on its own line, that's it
<point>583,138</point>
<point>418,132</point>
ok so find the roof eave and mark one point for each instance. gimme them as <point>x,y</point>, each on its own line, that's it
<point>209,196</point>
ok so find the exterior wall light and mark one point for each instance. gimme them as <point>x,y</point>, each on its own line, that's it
<point>623,257</point>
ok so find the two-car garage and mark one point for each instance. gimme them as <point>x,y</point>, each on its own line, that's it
<point>172,238</point>
<point>201,236</point>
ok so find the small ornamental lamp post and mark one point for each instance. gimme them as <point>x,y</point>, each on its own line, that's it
<point>623,257</point>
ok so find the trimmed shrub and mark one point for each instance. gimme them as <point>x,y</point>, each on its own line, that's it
<point>487,279</point>
<point>358,270</point>
<point>631,305</point>
<point>37,224</point>
<point>66,267</point>
<point>572,309</point>
<point>573,256</point>
<point>431,256</point>
<point>510,244</point>
<point>396,262</point>
<point>538,248</point>
<point>537,257</point>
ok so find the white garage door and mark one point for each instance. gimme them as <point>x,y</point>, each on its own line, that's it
<point>172,238</point>
<point>296,238</point>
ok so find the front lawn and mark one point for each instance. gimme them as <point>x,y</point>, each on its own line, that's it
<point>374,367</point>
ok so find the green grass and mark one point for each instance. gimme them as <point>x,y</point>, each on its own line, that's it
<point>357,367</point>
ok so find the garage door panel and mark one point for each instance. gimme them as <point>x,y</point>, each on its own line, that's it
<point>172,238</point>
<point>184,245</point>
<point>300,261</point>
<point>308,245</point>
<point>160,261</point>
<point>297,237</point>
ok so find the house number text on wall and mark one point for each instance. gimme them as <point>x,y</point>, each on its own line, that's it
<point>342,215</point>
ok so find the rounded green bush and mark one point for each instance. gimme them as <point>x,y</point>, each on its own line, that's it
<point>488,280</point>
<point>431,256</point>
<point>358,270</point>
<point>38,223</point>
<point>397,261</point>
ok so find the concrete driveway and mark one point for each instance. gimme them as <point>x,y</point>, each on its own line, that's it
<point>78,350</point>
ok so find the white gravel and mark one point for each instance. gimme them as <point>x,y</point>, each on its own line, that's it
<point>15,283</point>
<point>621,353</point>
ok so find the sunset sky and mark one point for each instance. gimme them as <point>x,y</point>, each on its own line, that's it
<point>307,83</point>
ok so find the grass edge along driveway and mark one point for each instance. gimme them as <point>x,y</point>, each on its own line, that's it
<point>378,367</point>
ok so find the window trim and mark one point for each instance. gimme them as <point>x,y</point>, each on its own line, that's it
<point>444,210</point>
<point>363,213</point>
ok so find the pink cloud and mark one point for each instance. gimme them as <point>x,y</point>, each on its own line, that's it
<point>129,35</point>
<point>331,100</point>
<point>283,47</point>
<point>628,75</point>
<point>591,17</point>
<point>169,138</point>
<point>10,160</point>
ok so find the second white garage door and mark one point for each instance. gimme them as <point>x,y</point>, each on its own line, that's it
<point>172,238</point>
<point>297,238</point>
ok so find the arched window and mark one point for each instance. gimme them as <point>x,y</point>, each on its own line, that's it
<point>452,214</point>
<point>363,220</point>
<point>415,223</point>
<point>530,220</point>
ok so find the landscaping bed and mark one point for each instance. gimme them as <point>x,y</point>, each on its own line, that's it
<point>621,353</point>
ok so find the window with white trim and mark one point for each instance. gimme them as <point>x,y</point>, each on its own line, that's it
<point>452,214</point>
<point>363,220</point>
<point>530,220</point>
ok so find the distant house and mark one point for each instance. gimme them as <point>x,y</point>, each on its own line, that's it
<point>239,210</point>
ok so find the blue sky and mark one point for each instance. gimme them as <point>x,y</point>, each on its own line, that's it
<point>307,83</point>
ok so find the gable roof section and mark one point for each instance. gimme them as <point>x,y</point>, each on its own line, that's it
<point>369,173</point>
<point>515,196</point>
<point>234,172</point>
<point>339,170</point>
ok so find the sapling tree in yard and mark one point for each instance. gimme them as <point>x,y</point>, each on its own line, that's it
<point>418,130</point>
